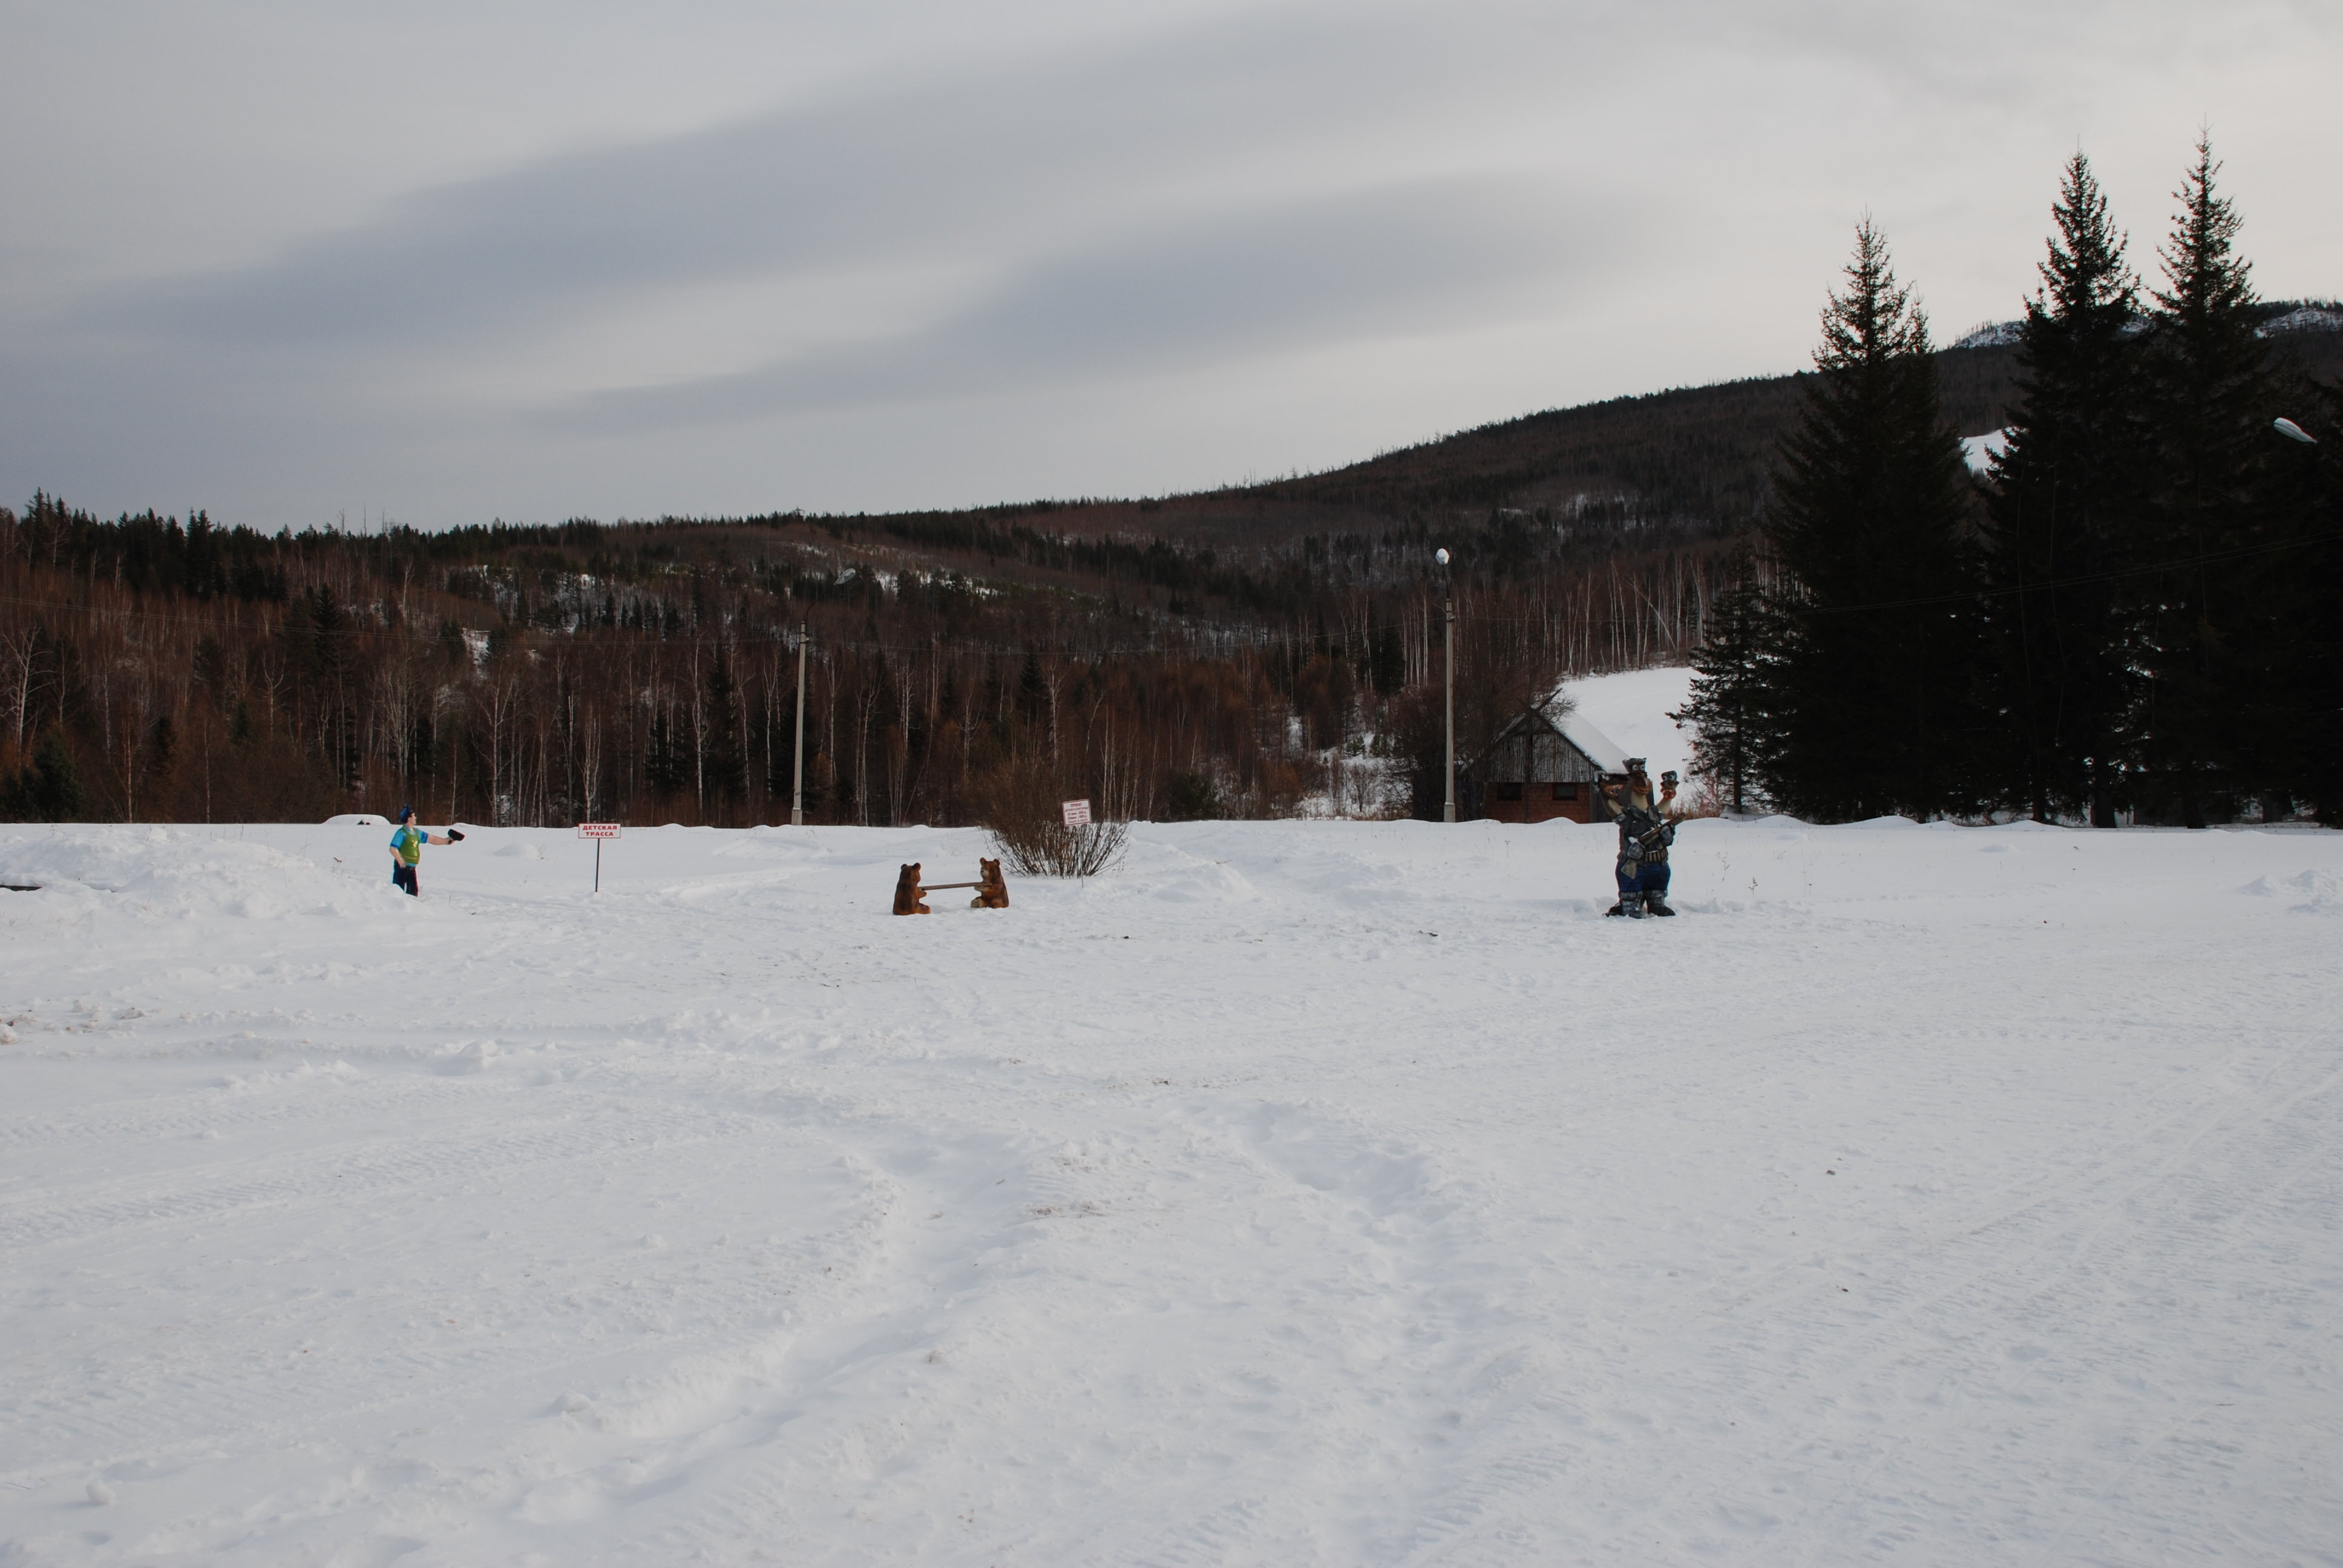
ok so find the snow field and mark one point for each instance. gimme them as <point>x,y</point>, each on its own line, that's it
<point>1299,1193</point>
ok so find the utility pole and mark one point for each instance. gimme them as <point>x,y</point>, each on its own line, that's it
<point>797,785</point>
<point>1448,650</point>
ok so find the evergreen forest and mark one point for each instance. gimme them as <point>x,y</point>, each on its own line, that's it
<point>2131,615</point>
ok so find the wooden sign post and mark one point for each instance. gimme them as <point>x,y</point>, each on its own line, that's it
<point>597,831</point>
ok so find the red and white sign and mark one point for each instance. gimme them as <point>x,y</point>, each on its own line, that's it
<point>598,829</point>
<point>1078,813</point>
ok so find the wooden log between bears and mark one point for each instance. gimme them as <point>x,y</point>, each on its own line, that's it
<point>910,893</point>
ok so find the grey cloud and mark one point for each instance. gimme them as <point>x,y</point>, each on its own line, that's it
<point>1241,244</point>
<point>1363,263</point>
<point>900,170</point>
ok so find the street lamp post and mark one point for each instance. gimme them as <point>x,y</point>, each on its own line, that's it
<point>1448,658</point>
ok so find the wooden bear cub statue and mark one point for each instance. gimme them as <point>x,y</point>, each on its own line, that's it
<point>991,888</point>
<point>909,898</point>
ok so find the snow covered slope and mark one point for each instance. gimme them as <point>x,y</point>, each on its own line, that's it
<point>1632,710</point>
<point>1979,451</point>
<point>1300,1193</point>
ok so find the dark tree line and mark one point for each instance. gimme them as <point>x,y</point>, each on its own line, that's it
<point>2134,610</point>
<point>155,670</point>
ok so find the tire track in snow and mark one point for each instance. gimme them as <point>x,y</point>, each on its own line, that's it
<point>2100,1509</point>
<point>2043,1268</point>
<point>245,1103</point>
<point>1454,1524</point>
<point>1414,1232</point>
<point>413,1162</point>
<point>157,1405</point>
<point>1988,1211</point>
<point>743,1439</point>
<point>1220,1536</point>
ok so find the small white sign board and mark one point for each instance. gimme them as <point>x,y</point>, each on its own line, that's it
<point>597,831</point>
<point>1078,813</point>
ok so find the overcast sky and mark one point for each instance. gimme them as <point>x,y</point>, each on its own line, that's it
<point>299,263</point>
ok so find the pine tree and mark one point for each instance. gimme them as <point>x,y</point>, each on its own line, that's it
<point>1032,687</point>
<point>48,790</point>
<point>2312,678</point>
<point>725,767</point>
<point>1732,709</point>
<point>2211,400</point>
<point>2063,516</point>
<point>1875,682</point>
<point>666,767</point>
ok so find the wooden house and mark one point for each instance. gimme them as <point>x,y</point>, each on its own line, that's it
<point>1545,764</point>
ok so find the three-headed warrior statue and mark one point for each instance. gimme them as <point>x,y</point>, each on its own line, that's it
<point>1645,831</point>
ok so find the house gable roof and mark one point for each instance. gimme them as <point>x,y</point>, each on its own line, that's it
<point>1600,748</point>
<point>1596,747</point>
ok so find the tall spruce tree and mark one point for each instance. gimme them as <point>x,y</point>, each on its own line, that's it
<point>1876,680</point>
<point>49,789</point>
<point>2211,398</point>
<point>1732,708</point>
<point>666,765</point>
<point>2312,678</point>
<point>722,761</point>
<point>2065,513</point>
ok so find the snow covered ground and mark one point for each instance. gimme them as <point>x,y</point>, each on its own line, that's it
<point>1299,1193</point>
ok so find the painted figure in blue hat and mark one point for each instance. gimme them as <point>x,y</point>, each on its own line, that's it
<point>406,849</point>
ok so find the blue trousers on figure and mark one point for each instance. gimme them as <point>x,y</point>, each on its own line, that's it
<point>1637,878</point>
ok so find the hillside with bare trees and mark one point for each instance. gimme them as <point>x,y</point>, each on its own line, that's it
<point>1213,654</point>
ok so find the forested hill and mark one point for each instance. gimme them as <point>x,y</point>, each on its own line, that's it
<point>1675,466</point>
<point>1209,652</point>
<point>1692,460</point>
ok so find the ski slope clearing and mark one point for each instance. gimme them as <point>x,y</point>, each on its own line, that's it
<point>1632,708</point>
<point>1299,1193</point>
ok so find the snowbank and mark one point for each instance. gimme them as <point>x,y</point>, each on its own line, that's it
<point>170,873</point>
<point>1299,1193</point>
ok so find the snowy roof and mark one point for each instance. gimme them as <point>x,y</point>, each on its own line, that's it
<point>1641,699</point>
<point>1600,748</point>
